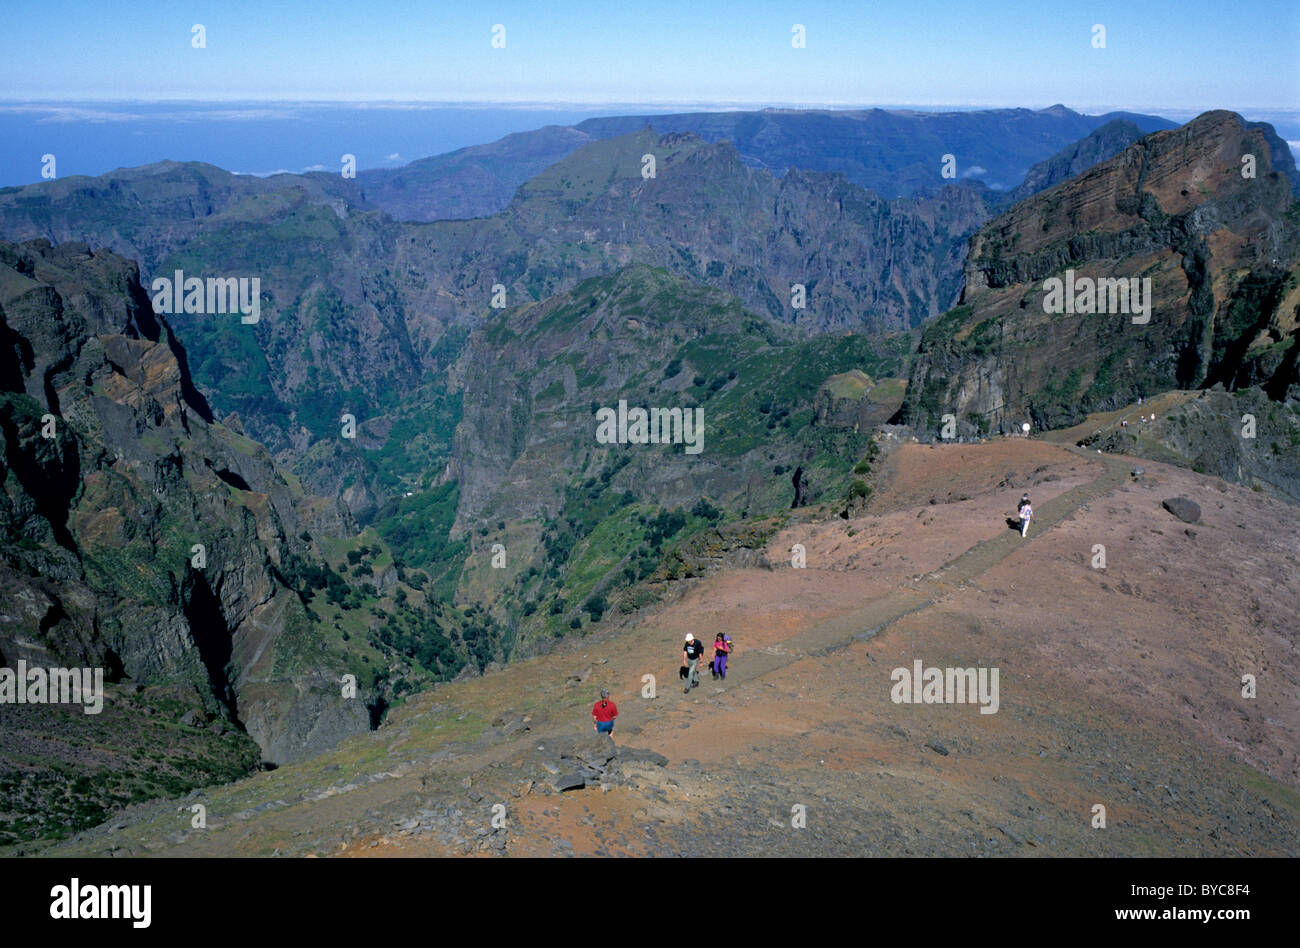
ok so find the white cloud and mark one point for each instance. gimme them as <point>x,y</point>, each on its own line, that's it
<point>111,113</point>
<point>315,168</point>
<point>394,157</point>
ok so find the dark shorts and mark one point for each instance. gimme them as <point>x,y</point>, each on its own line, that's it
<point>604,727</point>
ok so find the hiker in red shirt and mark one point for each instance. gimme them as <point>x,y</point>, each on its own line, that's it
<point>603,713</point>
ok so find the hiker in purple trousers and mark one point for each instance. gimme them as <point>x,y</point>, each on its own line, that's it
<point>721,649</point>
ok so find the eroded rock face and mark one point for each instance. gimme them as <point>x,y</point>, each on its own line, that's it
<point>1243,437</point>
<point>854,400</point>
<point>1102,143</point>
<point>1220,250</point>
<point>112,477</point>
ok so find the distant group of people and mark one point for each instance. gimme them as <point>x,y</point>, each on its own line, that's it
<point>604,711</point>
<point>1142,417</point>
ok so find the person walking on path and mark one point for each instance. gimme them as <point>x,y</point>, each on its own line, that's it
<point>603,713</point>
<point>691,653</point>
<point>1026,514</point>
<point>721,649</point>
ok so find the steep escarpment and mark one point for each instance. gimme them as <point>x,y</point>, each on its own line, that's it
<point>143,536</point>
<point>234,617</point>
<point>1196,222</point>
<point>866,264</point>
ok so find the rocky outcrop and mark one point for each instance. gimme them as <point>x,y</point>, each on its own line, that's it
<point>853,400</point>
<point>138,534</point>
<point>573,763</point>
<point>1244,437</point>
<point>1218,247</point>
<point>731,546</point>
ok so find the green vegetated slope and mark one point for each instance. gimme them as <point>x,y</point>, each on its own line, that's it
<point>589,527</point>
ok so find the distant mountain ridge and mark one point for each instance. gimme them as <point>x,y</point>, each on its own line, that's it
<point>896,153</point>
<point>357,308</point>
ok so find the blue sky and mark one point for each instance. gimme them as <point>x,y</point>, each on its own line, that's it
<point>1194,54</point>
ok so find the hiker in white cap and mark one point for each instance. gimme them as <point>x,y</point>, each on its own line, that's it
<point>691,653</point>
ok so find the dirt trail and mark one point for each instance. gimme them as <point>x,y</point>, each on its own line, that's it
<point>1105,422</point>
<point>865,623</point>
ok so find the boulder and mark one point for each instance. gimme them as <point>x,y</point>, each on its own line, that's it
<point>1185,510</point>
<point>467,673</point>
<point>635,755</point>
<point>595,751</point>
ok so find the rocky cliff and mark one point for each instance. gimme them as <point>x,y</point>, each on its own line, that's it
<point>139,535</point>
<point>1197,218</point>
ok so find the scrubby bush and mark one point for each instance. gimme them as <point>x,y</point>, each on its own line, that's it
<point>705,510</point>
